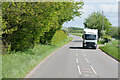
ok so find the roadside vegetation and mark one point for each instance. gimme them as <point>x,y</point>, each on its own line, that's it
<point>74,31</point>
<point>18,64</point>
<point>112,48</point>
<point>31,31</point>
<point>34,22</point>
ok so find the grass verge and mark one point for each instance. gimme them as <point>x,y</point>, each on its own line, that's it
<point>0,66</point>
<point>99,42</point>
<point>112,49</point>
<point>76,34</point>
<point>18,64</point>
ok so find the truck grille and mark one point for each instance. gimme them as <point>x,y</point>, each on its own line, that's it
<point>90,43</point>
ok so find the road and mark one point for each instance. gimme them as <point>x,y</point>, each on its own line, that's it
<point>72,61</point>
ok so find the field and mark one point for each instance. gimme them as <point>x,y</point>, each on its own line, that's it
<point>18,64</point>
<point>112,48</point>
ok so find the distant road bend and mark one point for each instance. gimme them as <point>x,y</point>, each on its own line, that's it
<point>72,61</point>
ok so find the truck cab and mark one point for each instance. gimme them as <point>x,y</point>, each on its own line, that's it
<point>90,38</point>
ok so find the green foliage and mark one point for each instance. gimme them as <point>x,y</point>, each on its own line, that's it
<point>119,33</point>
<point>114,32</point>
<point>27,23</point>
<point>58,37</point>
<point>94,21</point>
<point>18,64</point>
<point>73,30</point>
<point>112,48</point>
<point>105,39</point>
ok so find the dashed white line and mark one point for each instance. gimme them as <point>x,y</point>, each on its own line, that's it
<point>77,60</point>
<point>93,70</point>
<point>79,69</point>
<point>84,54</point>
<point>76,54</point>
<point>87,60</point>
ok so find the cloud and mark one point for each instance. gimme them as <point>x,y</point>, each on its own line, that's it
<point>113,20</point>
<point>107,8</point>
<point>87,9</point>
<point>110,11</point>
<point>74,23</point>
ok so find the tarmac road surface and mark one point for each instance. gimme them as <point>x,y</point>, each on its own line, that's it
<point>72,61</point>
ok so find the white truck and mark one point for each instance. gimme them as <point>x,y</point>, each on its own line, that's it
<point>90,38</point>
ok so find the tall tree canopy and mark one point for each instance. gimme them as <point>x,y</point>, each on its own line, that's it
<point>94,21</point>
<point>26,23</point>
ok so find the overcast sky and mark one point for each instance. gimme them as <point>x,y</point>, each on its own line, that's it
<point>109,7</point>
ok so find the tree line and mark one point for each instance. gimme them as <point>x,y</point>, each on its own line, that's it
<point>73,29</point>
<point>28,23</point>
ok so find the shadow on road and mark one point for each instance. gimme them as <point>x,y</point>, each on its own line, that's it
<point>81,48</point>
<point>76,47</point>
<point>77,41</point>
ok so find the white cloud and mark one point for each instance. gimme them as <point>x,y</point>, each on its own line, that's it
<point>110,9</point>
<point>107,8</point>
<point>87,9</point>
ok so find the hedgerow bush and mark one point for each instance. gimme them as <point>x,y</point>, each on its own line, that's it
<point>28,23</point>
<point>58,37</point>
<point>105,39</point>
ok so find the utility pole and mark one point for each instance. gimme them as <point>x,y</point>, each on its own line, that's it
<point>102,21</point>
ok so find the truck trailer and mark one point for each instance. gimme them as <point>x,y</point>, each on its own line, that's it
<point>90,38</point>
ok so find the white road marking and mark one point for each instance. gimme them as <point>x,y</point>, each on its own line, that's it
<point>109,57</point>
<point>86,75</point>
<point>77,60</point>
<point>93,69</point>
<point>76,55</point>
<point>36,67</point>
<point>84,54</point>
<point>87,60</point>
<point>79,69</point>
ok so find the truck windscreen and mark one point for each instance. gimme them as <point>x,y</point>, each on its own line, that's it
<point>90,37</point>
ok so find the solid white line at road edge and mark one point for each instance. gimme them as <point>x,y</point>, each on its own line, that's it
<point>93,69</point>
<point>37,66</point>
<point>110,57</point>
<point>79,69</point>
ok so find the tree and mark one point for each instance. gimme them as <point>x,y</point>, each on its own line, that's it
<point>61,12</point>
<point>114,32</point>
<point>27,23</point>
<point>73,30</point>
<point>94,21</point>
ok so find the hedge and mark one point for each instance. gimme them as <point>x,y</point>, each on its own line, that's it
<point>58,37</point>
